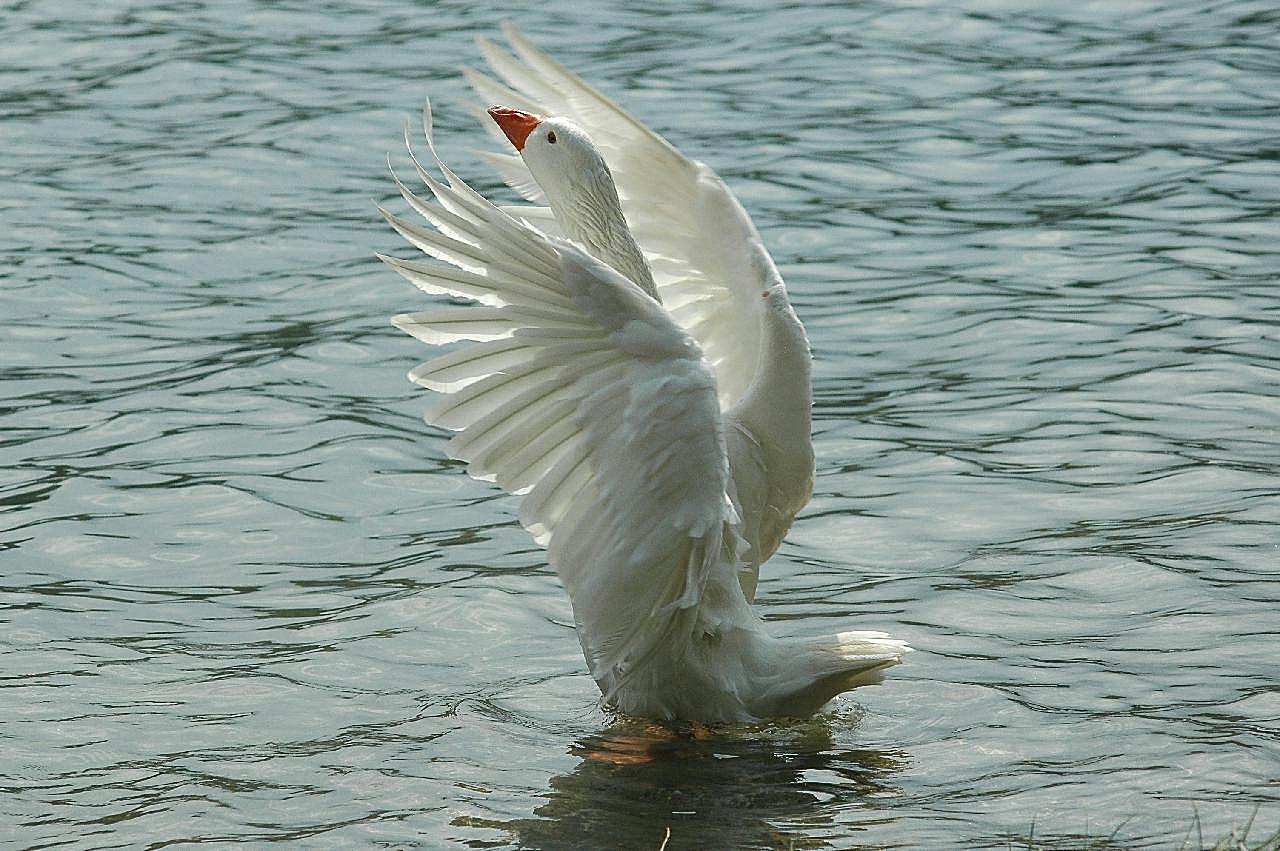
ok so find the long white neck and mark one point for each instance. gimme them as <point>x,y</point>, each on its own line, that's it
<point>590,213</point>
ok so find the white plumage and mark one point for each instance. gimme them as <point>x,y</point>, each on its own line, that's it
<point>634,370</point>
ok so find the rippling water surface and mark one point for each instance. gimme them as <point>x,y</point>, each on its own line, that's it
<point>245,597</point>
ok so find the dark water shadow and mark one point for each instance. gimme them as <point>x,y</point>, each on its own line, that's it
<point>777,786</point>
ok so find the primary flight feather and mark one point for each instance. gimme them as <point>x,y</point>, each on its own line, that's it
<point>634,370</point>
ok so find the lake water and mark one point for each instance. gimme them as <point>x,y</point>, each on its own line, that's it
<point>245,598</point>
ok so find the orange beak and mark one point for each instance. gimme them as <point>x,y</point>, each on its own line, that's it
<point>516,124</point>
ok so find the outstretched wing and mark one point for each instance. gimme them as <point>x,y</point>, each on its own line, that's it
<point>574,389</point>
<point>708,261</point>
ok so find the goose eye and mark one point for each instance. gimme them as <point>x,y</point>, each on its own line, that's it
<point>551,137</point>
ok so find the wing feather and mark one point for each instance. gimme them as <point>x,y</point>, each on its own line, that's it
<point>704,251</point>
<point>573,388</point>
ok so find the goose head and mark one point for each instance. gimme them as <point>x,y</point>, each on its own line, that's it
<point>559,153</point>
<point>579,187</point>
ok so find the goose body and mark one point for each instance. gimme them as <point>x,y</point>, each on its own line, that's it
<point>635,371</point>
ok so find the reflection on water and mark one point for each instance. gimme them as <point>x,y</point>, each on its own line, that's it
<point>244,597</point>
<point>771,787</point>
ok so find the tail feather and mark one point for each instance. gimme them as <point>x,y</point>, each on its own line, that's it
<point>859,643</point>
<point>804,676</point>
<point>865,656</point>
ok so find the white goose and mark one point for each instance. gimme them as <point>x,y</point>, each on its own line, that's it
<point>636,372</point>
